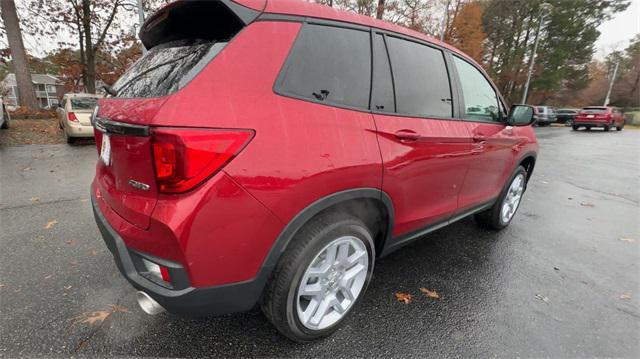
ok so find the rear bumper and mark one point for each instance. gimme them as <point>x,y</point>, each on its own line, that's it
<point>187,301</point>
<point>592,123</point>
<point>78,130</point>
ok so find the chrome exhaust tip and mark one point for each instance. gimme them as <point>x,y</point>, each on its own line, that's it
<point>148,304</point>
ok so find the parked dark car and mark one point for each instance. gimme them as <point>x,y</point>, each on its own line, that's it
<point>599,116</point>
<point>544,115</point>
<point>566,115</point>
<point>270,152</point>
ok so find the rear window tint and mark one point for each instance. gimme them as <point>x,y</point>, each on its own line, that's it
<point>83,103</point>
<point>329,64</point>
<point>421,79</point>
<point>165,69</point>
<point>595,109</point>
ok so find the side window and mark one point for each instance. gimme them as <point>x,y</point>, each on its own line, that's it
<point>421,79</point>
<point>382,94</point>
<point>480,99</point>
<point>330,64</point>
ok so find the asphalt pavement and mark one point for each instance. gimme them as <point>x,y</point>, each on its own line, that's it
<point>561,281</point>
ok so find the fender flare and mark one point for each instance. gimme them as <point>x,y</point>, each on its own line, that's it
<point>286,236</point>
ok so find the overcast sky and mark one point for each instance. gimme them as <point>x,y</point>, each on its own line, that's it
<point>616,33</point>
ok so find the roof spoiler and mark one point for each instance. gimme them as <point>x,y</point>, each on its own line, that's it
<point>193,19</point>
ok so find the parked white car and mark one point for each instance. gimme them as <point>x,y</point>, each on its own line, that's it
<point>74,115</point>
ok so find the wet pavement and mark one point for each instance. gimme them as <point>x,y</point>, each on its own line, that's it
<point>561,281</point>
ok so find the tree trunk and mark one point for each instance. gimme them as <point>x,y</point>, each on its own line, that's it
<point>90,55</point>
<point>380,9</point>
<point>26,95</point>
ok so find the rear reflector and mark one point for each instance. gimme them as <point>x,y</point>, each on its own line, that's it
<point>72,117</point>
<point>184,158</point>
<point>156,270</point>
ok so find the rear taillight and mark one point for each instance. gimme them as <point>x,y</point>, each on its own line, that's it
<point>184,158</point>
<point>72,117</point>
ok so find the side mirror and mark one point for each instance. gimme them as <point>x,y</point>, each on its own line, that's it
<point>520,115</point>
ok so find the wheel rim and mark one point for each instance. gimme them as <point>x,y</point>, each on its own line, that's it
<point>332,283</point>
<point>512,199</point>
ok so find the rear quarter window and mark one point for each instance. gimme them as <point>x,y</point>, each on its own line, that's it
<point>329,64</point>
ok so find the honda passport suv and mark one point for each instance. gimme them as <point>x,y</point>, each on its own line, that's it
<point>269,152</point>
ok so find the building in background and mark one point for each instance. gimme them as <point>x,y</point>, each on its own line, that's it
<point>49,89</point>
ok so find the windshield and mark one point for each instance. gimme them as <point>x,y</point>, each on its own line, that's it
<point>165,69</point>
<point>83,103</point>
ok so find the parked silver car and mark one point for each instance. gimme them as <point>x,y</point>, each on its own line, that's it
<point>4,116</point>
<point>544,115</point>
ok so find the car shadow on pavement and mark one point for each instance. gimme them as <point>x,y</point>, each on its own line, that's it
<point>456,262</point>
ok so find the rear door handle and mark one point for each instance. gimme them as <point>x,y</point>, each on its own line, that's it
<point>407,136</point>
<point>479,138</point>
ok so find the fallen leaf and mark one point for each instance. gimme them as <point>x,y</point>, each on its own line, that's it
<point>1,285</point>
<point>94,252</point>
<point>67,287</point>
<point>92,317</point>
<point>118,309</point>
<point>625,296</point>
<point>50,224</point>
<point>430,293</point>
<point>542,298</point>
<point>630,240</point>
<point>544,182</point>
<point>570,199</point>
<point>35,199</point>
<point>587,204</point>
<point>404,297</point>
<point>71,242</point>
<point>49,276</point>
<point>99,316</point>
<point>556,268</point>
<point>26,169</point>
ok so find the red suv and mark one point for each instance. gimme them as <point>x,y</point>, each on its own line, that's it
<point>599,116</point>
<point>271,151</point>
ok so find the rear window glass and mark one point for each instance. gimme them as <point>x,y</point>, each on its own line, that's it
<point>421,79</point>
<point>330,64</point>
<point>595,109</point>
<point>165,69</point>
<point>541,109</point>
<point>83,103</point>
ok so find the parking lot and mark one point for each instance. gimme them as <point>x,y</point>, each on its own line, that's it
<point>561,281</point>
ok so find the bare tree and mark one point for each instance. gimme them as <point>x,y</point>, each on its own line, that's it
<point>18,54</point>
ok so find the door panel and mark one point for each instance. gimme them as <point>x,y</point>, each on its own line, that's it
<point>425,161</point>
<point>494,147</point>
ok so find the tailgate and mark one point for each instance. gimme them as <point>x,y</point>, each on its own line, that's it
<point>125,175</point>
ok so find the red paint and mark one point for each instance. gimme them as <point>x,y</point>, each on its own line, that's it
<point>222,228</point>
<point>610,118</point>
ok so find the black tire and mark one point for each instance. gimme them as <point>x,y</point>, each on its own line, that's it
<point>279,299</point>
<point>5,124</point>
<point>606,128</point>
<point>70,140</point>
<point>491,218</point>
<point>574,127</point>
<point>619,128</point>
<point>588,128</point>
